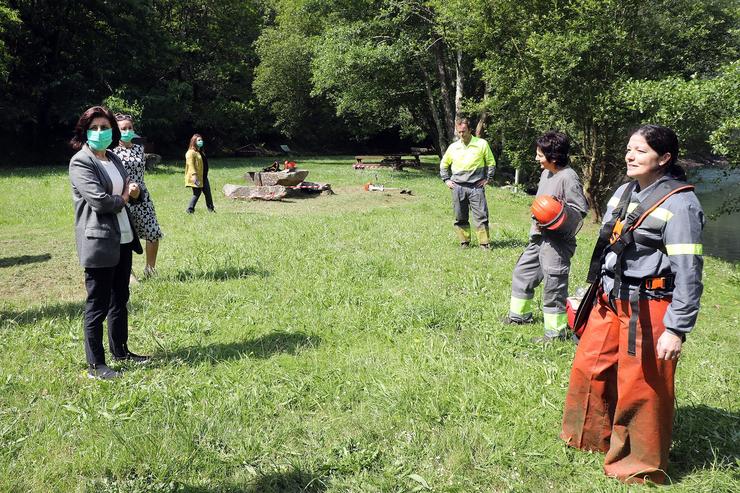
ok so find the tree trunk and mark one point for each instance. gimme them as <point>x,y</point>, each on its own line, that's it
<point>593,171</point>
<point>444,87</point>
<point>483,116</point>
<point>439,127</point>
<point>459,83</point>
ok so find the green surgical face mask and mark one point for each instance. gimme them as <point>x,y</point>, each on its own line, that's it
<point>99,140</point>
<point>199,143</point>
<point>127,135</point>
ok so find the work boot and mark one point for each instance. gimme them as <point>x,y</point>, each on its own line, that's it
<point>515,321</point>
<point>464,245</point>
<point>102,372</point>
<point>485,246</point>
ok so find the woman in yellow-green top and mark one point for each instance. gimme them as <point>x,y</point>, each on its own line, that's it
<point>196,173</point>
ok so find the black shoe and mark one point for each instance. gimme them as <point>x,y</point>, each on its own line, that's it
<point>189,211</point>
<point>512,321</point>
<point>485,246</point>
<point>102,372</point>
<point>211,210</point>
<point>464,245</point>
<point>136,358</point>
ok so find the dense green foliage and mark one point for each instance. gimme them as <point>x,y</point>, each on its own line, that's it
<point>332,73</point>
<point>337,344</point>
<point>187,65</point>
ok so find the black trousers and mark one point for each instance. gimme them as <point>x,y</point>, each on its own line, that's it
<point>206,190</point>
<point>107,295</point>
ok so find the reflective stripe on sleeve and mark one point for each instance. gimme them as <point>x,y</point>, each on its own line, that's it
<point>684,249</point>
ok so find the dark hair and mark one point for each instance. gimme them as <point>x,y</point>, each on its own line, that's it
<point>192,142</point>
<point>555,146</point>
<point>80,136</point>
<point>461,120</point>
<point>663,140</point>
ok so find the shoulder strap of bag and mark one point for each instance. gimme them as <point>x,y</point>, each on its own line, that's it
<point>623,234</point>
<point>618,214</point>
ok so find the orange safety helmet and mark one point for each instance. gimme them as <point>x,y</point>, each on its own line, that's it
<point>549,212</point>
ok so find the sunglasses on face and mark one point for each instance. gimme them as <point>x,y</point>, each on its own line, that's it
<point>121,117</point>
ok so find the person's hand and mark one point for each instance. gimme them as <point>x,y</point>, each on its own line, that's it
<point>669,346</point>
<point>450,184</point>
<point>125,193</point>
<point>134,190</point>
<point>482,183</point>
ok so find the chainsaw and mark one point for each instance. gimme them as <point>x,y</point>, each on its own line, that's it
<point>371,187</point>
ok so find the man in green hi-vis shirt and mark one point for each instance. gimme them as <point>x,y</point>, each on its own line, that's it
<point>466,168</point>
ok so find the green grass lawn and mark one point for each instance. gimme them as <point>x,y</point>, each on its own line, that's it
<point>327,344</point>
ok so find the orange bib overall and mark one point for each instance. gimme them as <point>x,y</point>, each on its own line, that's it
<point>619,403</point>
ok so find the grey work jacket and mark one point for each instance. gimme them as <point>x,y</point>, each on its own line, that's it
<point>565,186</point>
<point>97,232</point>
<point>677,226</point>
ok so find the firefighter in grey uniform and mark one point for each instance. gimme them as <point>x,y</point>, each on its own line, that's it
<point>466,167</point>
<point>648,266</point>
<point>548,254</point>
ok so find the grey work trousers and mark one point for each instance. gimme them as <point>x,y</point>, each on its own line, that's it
<point>466,199</point>
<point>548,259</point>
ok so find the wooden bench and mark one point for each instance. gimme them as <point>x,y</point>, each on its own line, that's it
<point>395,161</point>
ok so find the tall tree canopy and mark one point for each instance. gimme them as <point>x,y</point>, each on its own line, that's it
<point>187,63</point>
<point>327,73</point>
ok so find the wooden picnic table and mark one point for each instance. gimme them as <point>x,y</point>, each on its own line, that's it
<point>395,161</point>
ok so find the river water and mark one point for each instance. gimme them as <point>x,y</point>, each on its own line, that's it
<point>714,188</point>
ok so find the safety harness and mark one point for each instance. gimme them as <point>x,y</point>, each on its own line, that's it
<point>615,236</point>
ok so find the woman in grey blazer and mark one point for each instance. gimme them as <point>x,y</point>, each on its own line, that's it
<point>105,238</point>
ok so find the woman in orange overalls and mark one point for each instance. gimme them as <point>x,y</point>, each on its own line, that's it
<point>621,396</point>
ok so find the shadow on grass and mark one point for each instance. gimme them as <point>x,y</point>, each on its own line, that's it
<point>59,310</point>
<point>301,196</point>
<point>509,243</point>
<point>703,437</point>
<point>226,274</point>
<point>293,481</point>
<point>23,260</point>
<point>263,347</point>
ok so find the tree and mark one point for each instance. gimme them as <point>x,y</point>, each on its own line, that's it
<point>8,19</point>
<point>566,66</point>
<point>705,111</point>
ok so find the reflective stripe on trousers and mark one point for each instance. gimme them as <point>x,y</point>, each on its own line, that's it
<point>619,403</point>
<point>548,260</point>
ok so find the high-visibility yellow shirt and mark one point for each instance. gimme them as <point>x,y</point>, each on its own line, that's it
<point>467,163</point>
